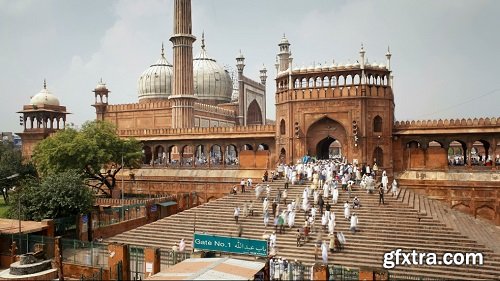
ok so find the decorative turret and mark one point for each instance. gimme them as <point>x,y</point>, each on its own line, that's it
<point>41,117</point>
<point>263,75</point>
<point>388,56</point>
<point>284,54</point>
<point>101,99</point>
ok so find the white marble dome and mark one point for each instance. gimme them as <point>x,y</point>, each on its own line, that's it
<point>44,97</point>
<point>211,81</point>
<point>156,81</point>
<point>101,86</point>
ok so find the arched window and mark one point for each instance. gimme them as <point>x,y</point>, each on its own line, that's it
<point>377,124</point>
<point>282,127</point>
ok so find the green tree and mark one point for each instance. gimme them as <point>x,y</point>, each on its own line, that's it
<point>96,150</point>
<point>57,195</point>
<point>12,169</point>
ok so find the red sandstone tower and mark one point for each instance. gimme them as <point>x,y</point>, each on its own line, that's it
<point>183,86</point>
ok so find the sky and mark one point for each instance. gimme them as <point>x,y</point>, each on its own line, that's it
<point>444,53</point>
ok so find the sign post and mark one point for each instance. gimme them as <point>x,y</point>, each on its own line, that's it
<point>226,244</point>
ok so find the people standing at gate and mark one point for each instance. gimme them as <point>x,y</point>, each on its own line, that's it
<point>249,183</point>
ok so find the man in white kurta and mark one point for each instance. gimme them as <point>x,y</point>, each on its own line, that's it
<point>324,252</point>
<point>385,182</point>
<point>354,223</point>
<point>347,210</point>
<point>394,188</point>
<point>335,195</point>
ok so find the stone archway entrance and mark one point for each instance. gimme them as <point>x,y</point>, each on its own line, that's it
<point>325,138</point>
<point>323,148</point>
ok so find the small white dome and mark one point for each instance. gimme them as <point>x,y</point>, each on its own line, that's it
<point>356,64</point>
<point>310,68</point>
<point>284,40</point>
<point>381,66</point>
<point>211,81</point>
<point>156,81</point>
<point>101,86</point>
<point>44,97</point>
<point>318,67</point>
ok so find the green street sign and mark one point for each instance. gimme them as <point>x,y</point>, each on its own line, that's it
<point>230,244</point>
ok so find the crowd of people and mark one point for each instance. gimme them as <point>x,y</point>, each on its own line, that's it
<point>325,180</point>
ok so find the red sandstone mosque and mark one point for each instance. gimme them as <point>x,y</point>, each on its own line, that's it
<point>193,113</point>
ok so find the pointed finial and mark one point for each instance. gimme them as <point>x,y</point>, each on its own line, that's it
<point>203,40</point>
<point>44,83</point>
<point>162,50</point>
<point>100,81</point>
<point>284,35</point>
<point>388,51</point>
<point>362,51</point>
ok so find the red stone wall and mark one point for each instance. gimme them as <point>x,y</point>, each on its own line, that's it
<point>76,271</point>
<point>247,159</point>
<point>437,158</point>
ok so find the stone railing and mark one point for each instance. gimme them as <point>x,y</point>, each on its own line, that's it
<point>313,93</point>
<point>456,123</point>
<point>214,109</point>
<point>199,131</point>
<point>138,106</point>
<point>125,202</point>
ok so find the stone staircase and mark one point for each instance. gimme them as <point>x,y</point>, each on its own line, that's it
<point>382,229</point>
<point>477,229</point>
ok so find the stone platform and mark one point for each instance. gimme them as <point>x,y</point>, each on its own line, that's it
<point>49,274</point>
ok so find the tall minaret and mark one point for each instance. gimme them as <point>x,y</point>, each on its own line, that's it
<point>183,97</point>
<point>284,54</point>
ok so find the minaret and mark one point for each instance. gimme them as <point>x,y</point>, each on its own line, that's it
<point>284,54</point>
<point>240,64</point>
<point>263,78</point>
<point>101,100</point>
<point>362,53</point>
<point>388,55</point>
<point>182,97</point>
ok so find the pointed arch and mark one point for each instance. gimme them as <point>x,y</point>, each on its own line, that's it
<point>254,114</point>
<point>377,124</point>
<point>282,127</point>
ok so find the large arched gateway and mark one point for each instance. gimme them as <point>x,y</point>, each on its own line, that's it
<point>326,138</point>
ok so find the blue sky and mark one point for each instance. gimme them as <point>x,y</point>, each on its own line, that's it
<point>444,52</point>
